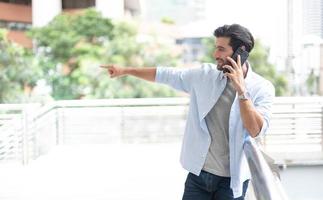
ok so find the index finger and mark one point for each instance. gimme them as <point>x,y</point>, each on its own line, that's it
<point>105,66</point>
<point>239,60</point>
<point>233,62</point>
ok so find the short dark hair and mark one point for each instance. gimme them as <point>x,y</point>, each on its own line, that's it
<point>239,36</point>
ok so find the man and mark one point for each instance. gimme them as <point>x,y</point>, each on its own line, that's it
<point>229,103</point>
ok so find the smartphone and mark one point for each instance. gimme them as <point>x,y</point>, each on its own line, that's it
<point>243,57</point>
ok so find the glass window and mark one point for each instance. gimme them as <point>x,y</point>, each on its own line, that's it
<point>25,2</point>
<point>72,4</point>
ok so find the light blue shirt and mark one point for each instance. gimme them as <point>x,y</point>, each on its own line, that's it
<point>205,85</point>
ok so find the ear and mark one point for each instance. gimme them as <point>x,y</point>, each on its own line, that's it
<point>243,47</point>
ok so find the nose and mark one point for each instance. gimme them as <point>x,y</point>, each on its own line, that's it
<point>216,54</point>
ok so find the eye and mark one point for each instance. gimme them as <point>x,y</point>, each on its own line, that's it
<point>219,48</point>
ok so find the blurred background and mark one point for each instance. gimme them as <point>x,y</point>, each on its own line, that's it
<point>68,131</point>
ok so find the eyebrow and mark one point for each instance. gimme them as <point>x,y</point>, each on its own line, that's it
<point>219,47</point>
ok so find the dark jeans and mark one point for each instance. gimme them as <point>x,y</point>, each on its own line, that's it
<point>208,186</point>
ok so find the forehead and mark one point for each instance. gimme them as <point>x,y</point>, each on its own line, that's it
<point>222,41</point>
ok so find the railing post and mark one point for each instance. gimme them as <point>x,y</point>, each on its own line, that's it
<point>294,120</point>
<point>24,122</point>
<point>122,125</point>
<point>57,118</point>
<point>322,129</point>
<point>60,124</point>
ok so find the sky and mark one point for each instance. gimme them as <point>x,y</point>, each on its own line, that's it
<point>266,20</point>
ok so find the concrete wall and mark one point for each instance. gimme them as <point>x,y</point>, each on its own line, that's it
<point>110,8</point>
<point>44,11</point>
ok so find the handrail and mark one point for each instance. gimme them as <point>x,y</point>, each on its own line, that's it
<point>28,117</point>
<point>265,184</point>
<point>289,113</point>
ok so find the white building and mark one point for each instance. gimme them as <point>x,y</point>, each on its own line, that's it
<point>44,11</point>
<point>19,15</point>
<point>313,15</point>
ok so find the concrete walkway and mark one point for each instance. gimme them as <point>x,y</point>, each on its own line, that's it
<point>123,172</point>
<point>97,172</point>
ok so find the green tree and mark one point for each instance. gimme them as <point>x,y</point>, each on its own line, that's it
<point>208,44</point>
<point>259,62</point>
<point>167,20</point>
<point>64,44</point>
<point>18,70</point>
<point>71,47</point>
<point>312,83</point>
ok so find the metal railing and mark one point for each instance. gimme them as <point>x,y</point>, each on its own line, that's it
<point>265,183</point>
<point>13,130</point>
<point>28,131</point>
<point>36,131</point>
<point>296,122</point>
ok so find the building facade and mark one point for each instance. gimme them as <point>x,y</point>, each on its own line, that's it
<point>20,15</point>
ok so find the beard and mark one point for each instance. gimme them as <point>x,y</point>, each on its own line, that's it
<point>221,63</point>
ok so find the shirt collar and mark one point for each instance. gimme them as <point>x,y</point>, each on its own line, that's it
<point>221,75</point>
<point>249,72</point>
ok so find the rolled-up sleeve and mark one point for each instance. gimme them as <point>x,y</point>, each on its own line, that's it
<point>263,105</point>
<point>180,79</point>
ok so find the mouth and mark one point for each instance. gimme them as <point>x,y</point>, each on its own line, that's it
<point>220,64</point>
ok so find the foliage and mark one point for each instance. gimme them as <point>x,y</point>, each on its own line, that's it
<point>18,70</point>
<point>71,47</point>
<point>260,64</point>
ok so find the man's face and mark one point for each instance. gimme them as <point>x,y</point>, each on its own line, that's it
<point>221,51</point>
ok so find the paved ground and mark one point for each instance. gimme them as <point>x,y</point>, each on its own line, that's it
<point>303,182</point>
<point>123,172</point>
<point>97,172</point>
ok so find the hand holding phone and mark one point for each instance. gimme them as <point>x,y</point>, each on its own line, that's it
<point>243,57</point>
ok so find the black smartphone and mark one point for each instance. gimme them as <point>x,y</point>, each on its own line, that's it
<point>243,57</point>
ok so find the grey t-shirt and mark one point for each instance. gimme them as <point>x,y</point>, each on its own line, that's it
<point>217,160</point>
